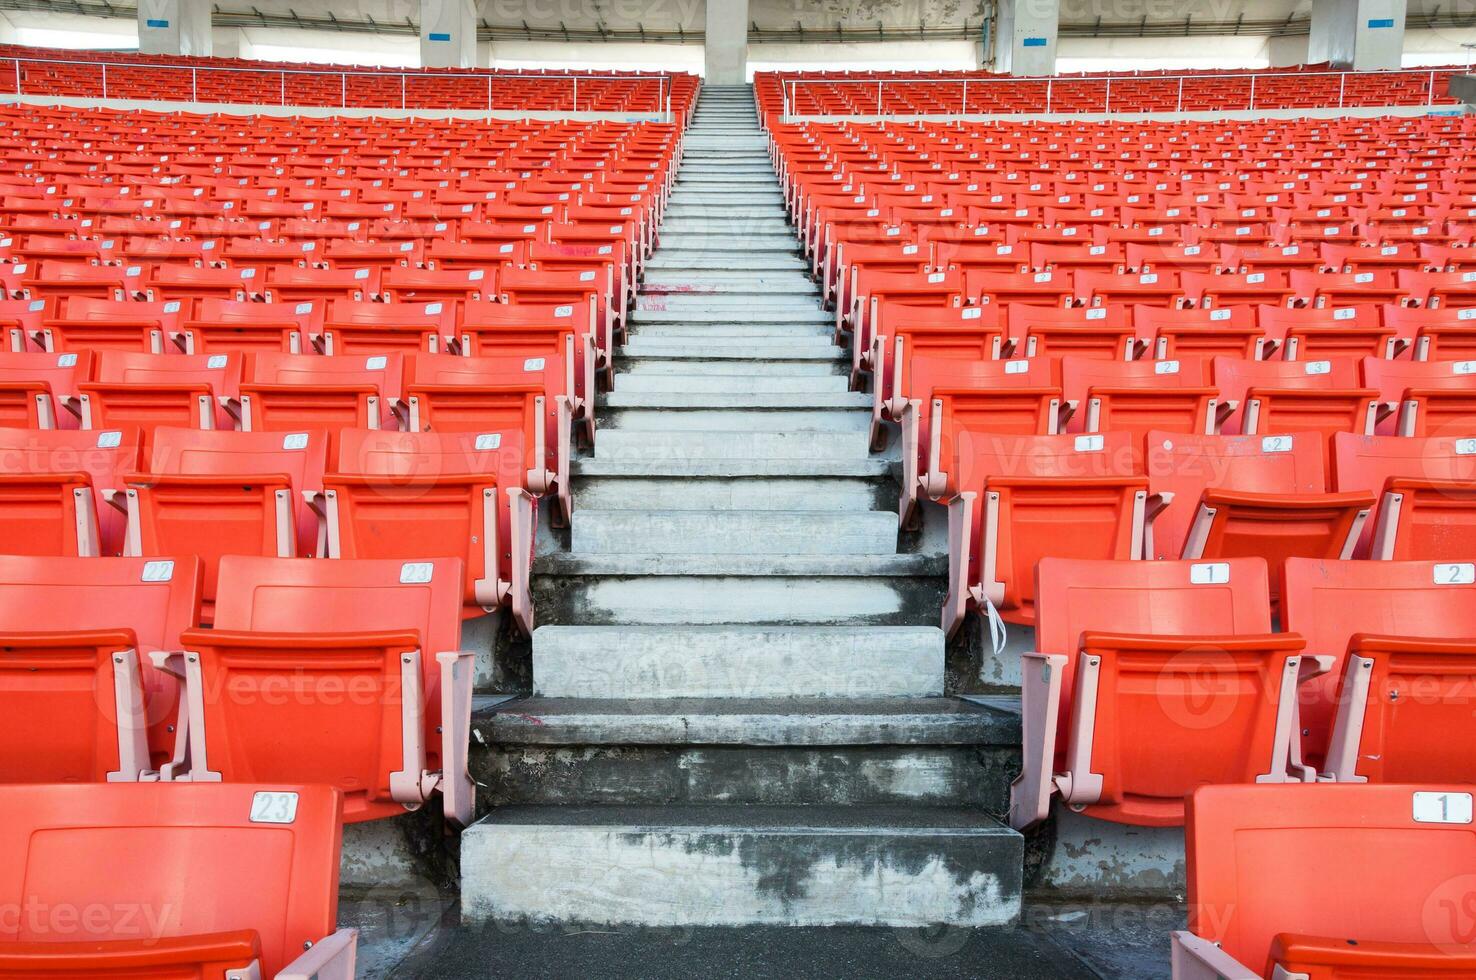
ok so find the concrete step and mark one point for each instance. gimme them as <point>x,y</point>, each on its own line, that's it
<point>788,444</point>
<point>696,366</point>
<point>774,349</point>
<point>674,402</point>
<point>610,662</point>
<point>777,493</point>
<point>710,243</point>
<point>730,301</point>
<point>919,750</point>
<point>742,383</point>
<point>744,419</point>
<point>734,469</point>
<point>702,210</point>
<point>735,532</point>
<point>733,334</point>
<point>798,314</point>
<point>726,178</point>
<point>649,589</point>
<point>705,143</point>
<point>740,865</point>
<point>719,281</point>
<point>759,335</point>
<point>729,223</point>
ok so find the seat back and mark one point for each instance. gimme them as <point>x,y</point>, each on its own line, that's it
<point>1331,602</point>
<point>1177,674</point>
<point>1353,866</point>
<point>90,322</point>
<point>1425,493</point>
<point>1187,465</point>
<point>376,328</point>
<point>235,867</point>
<point>229,325</point>
<point>1315,333</point>
<point>320,628</point>
<point>410,494</point>
<point>290,392</point>
<point>1104,332</point>
<point>1295,396</point>
<point>32,385</point>
<point>250,484</point>
<point>53,484</point>
<point>65,622</point>
<point>1057,496</point>
<point>1432,397</point>
<point>1228,332</point>
<point>150,390</point>
<point>1138,396</point>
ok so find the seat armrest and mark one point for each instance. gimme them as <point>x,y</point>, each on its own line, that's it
<point>1193,958</point>
<point>328,959</point>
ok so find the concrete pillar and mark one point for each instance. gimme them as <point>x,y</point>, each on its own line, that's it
<point>1360,34</point>
<point>448,33</point>
<point>1026,41</point>
<point>727,42</point>
<point>175,27</point>
<point>1286,52</point>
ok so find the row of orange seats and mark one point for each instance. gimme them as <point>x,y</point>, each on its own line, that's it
<point>380,708</point>
<point>79,74</point>
<point>952,92</point>
<point>1150,679</point>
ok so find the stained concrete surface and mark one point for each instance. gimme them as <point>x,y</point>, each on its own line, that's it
<point>1106,941</point>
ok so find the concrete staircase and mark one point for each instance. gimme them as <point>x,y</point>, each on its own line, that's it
<point>738,712</point>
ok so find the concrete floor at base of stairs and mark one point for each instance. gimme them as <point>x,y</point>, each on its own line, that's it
<point>412,932</point>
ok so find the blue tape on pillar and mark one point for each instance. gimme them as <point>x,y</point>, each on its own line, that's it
<point>1380,22</point>
<point>1033,42</point>
<point>156,23</point>
<point>437,36</point>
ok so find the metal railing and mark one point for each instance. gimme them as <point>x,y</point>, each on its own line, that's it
<point>478,83</point>
<point>1199,85</point>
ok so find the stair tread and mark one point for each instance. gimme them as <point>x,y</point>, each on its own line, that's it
<point>760,722</point>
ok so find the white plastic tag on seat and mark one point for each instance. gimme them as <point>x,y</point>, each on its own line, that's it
<point>1209,573</point>
<point>171,307</point>
<point>110,439</point>
<point>489,440</point>
<point>1219,314</point>
<point>66,360</point>
<point>970,313</point>
<point>1166,367</point>
<point>1441,808</point>
<point>1276,444</point>
<point>1016,367</point>
<point>215,362</point>
<point>278,808</point>
<point>1318,367</point>
<point>1097,313</point>
<point>376,363</point>
<point>157,571</point>
<point>303,308</point>
<point>1465,447</point>
<point>416,572</point>
<point>1090,444</point>
<point>1455,573</point>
